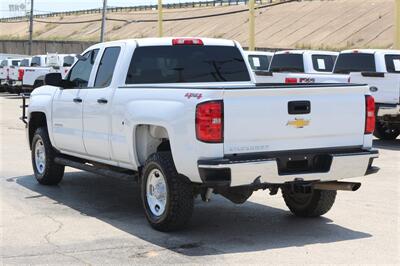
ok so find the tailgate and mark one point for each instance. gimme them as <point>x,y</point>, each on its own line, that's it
<point>300,78</point>
<point>32,73</point>
<point>290,118</point>
<point>385,86</point>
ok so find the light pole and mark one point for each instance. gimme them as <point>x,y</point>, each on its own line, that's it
<point>252,26</point>
<point>103,20</point>
<point>397,25</point>
<point>30,29</point>
<point>160,18</point>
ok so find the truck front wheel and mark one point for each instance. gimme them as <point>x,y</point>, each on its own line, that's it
<point>47,172</point>
<point>313,204</point>
<point>384,132</point>
<point>167,196</point>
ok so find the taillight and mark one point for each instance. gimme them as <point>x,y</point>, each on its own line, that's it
<point>370,114</point>
<point>290,80</point>
<point>209,122</point>
<point>20,74</point>
<point>187,41</point>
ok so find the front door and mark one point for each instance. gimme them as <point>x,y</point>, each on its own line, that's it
<point>67,107</point>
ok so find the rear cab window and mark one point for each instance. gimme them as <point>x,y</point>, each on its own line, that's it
<point>4,63</point>
<point>187,64</point>
<point>287,63</point>
<point>355,62</point>
<point>259,62</point>
<point>323,63</point>
<point>392,63</point>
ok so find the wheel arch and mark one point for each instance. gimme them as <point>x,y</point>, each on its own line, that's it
<point>36,120</point>
<point>148,139</point>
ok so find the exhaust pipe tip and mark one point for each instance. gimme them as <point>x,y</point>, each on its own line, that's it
<point>355,186</point>
<point>335,185</point>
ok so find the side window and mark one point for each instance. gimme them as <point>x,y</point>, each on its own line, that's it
<point>80,73</point>
<point>106,67</point>
<point>392,63</point>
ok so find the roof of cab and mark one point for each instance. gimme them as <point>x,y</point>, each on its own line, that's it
<point>371,51</point>
<point>312,52</point>
<point>164,41</point>
<point>258,53</point>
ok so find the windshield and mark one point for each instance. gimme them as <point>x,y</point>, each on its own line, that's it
<point>323,63</point>
<point>35,61</point>
<point>392,63</point>
<point>259,62</point>
<point>287,63</point>
<point>68,61</point>
<point>15,62</point>
<point>355,62</point>
<point>24,62</point>
<point>191,63</point>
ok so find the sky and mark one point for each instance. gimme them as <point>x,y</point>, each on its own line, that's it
<point>45,6</point>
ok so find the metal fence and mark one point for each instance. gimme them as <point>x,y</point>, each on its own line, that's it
<point>142,8</point>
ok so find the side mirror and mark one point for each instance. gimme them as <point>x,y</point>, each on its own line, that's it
<point>53,79</point>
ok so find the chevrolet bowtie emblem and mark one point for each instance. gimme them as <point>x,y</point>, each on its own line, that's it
<point>298,123</point>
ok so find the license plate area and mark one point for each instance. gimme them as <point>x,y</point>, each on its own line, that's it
<point>304,164</point>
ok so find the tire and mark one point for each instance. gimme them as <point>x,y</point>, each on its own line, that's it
<point>9,89</point>
<point>385,133</point>
<point>47,172</point>
<point>17,90</point>
<point>313,204</point>
<point>37,83</point>
<point>162,186</point>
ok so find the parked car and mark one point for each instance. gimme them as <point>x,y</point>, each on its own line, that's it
<point>5,67</point>
<point>16,75</point>
<point>259,61</point>
<point>380,69</point>
<point>183,117</point>
<point>41,65</point>
<point>301,66</point>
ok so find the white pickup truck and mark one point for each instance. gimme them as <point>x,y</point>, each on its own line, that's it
<point>301,66</point>
<point>16,75</point>
<point>5,66</point>
<point>380,69</point>
<point>41,65</point>
<point>258,60</point>
<point>184,117</point>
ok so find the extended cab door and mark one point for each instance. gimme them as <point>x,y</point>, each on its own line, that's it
<point>68,107</point>
<point>97,106</point>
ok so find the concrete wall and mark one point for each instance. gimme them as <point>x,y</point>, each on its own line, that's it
<point>43,47</point>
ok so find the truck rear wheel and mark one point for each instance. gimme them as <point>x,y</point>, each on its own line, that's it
<point>313,204</point>
<point>167,196</point>
<point>384,132</point>
<point>47,172</point>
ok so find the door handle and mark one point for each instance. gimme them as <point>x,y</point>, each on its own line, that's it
<point>77,100</point>
<point>102,101</point>
<point>299,107</point>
